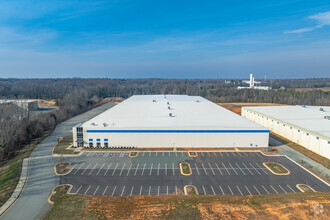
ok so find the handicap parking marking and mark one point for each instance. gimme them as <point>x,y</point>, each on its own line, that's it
<point>239,190</point>
<point>233,168</point>
<point>282,189</point>
<point>107,169</point>
<point>221,190</point>
<point>105,190</point>
<point>265,189</point>
<point>225,168</point>
<point>85,169</point>
<point>121,171</point>
<point>273,189</point>
<point>114,189</point>
<point>248,190</point>
<point>114,169</point>
<point>218,169</point>
<point>230,190</point>
<point>255,169</point>
<point>240,169</point>
<point>87,189</point>
<point>290,188</point>
<point>256,189</point>
<point>262,169</point>
<point>100,169</point>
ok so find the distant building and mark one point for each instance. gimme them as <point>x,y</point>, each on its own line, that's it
<point>308,126</point>
<point>252,83</point>
<point>30,105</point>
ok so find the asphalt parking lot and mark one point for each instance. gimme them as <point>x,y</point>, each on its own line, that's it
<point>158,173</point>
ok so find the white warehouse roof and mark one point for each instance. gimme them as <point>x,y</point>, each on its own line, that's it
<point>187,111</point>
<point>310,118</point>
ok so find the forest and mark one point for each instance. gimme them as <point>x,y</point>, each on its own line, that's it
<point>76,95</point>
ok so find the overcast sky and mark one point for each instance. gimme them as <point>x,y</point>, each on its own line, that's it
<point>167,39</point>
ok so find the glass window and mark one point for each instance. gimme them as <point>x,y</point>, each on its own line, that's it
<point>98,144</point>
<point>106,144</point>
<point>90,144</point>
<point>91,139</point>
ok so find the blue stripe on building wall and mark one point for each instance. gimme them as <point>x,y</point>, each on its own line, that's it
<point>177,131</point>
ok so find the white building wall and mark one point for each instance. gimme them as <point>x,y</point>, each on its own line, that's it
<point>312,142</point>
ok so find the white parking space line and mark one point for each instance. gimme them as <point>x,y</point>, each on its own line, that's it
<point>197,169</point>
<point>106,154</point>
<point>92,154</point>
<point>173,168</point>
<point>234,154</point>
<point>122,192</point>
<point>105,190</point>
<point>143,169</point>
<point>87,189</point>
<point>149,154</point>
<point>181,153</point>
<point>245,154</point>
<point>215,154</point>
<point>143,154</point>
<point>226,168</point>
<point>204,190</point>
<point>129,169</point>
<point>230,190</point>
<point>140,191</point>
<point>221,190</point>
<point>156,154</point>
<point>166,190</point>
<point>85,169</point>
<point>78,189</point>
<point>256,189</point>
<point>92,169</point>
<point>176,190</point>
<point>262,169</point>
<point>212,190</point>
<point>158,169</point>
<point>202,154</point>
<point>176,154</point>
<point>114,169</point>
<point>137,167</point>
<point>151,169</point>
<point>239,154</point>
<point>208,154</point>
<point>204,168</point>
<point>233,168</point>
<point>255,169</point>
<point>248,190</point>
<point>251,154</point>
<point>158,190</point>
<point>114,189</point>
<point>218,168</point>
<point>291,188</point>
<point>73,166</point>
<point>247,168</point>
<point>239,190</point>
<point>131,190</point>
<point>282,188</point>
<point>100,169</point>
<point>274,189</point>
<point>149,190</point>
<point>169,154</point>
<point>220,154</point>
<point>227,154</point>
<point>265,189</point>
<point>240,169</point>
<point>79,168</point>
<point>122,169</point>
<point>165,169</point>
<point>163,154</point>
<point>107,169</point>
<point>211,169</point>
<point>96,189</point>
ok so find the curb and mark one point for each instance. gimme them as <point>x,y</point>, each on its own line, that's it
<point>181,170</point>
<point>298,186</point>
<point>19,188</point>
<point>52,193</point>
<point>279,174</point>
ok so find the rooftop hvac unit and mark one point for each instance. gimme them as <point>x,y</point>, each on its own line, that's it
<point>170,114</point>
<point>327,117</point>
<point>322,110</point>
<point>93,124</point>
<point>197,101</point>
<point>168,103</point>
<point>104,124</point>
<point>169,107</point>
<point>154,100</point>
<point>304,106</point>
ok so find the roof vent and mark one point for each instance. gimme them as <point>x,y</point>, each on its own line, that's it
<point>327,117</point>
<point>322,110</point>
<point>168,103</point>
<point>197,101</point>
<point>304,106</point>
<point>170,114</point>
<point>154,100</point>
<point>104,124</point>
<point>169,107</point>
<point>93,124</point>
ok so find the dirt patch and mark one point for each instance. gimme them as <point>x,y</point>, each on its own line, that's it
<point>62,168</point>
<point>276,168</point>
<point>236,107</point>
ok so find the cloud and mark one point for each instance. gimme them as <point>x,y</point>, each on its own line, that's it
<point>322,19</point>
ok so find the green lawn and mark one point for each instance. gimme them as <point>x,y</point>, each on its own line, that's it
<point>276,168</point>
<point>60,147</point>
<point>185,168</point>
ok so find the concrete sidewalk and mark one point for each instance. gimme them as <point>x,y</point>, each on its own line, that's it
<point>19,188</point>
<point>298,157</point>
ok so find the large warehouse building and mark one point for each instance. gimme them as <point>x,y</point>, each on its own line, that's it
<point>308,126</point>
<point>169,121</point>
